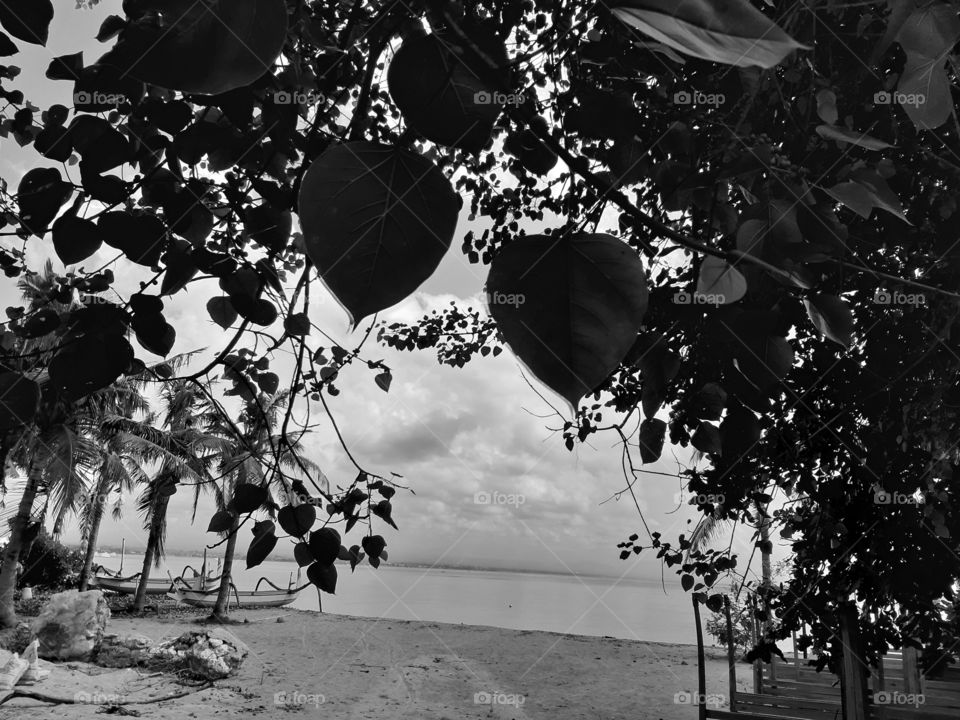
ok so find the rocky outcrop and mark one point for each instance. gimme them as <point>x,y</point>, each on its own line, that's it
<point>122,651</point>
<point>211,654</point>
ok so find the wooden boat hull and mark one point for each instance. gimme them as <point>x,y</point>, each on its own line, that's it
<point>246,598</point>
<point>155,586</point>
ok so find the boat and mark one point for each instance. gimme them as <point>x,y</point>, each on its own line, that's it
<point>109,580</point>
<point>207,596</point>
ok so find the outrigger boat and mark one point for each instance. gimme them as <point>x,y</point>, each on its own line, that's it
<point>206,596</point>
<point>113,580</point>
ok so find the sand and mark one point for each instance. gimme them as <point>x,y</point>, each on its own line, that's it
<point>333,666</point>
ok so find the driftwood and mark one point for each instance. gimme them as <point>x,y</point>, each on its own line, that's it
<point>34,695</point>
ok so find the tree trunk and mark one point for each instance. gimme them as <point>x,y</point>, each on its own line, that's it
<point>11,553</point>
<point>92,533</point>
<point>223,597</point>
<point>156,525</point>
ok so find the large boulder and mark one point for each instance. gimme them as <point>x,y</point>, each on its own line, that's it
<point>123,651</point>
<point>212,654</point>
<point>71,625</point>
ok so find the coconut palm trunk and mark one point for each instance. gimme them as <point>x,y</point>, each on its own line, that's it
<point>153,543</point>
<point>219,612</point>
<point>95,518</point>
<point>11,553</point>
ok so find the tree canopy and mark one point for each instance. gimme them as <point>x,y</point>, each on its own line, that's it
<point>730,224</point>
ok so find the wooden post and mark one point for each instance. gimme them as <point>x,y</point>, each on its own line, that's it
<point>701,669</point>
<point>731,656</point>
<point>911,672</point>
<point>854,672</point>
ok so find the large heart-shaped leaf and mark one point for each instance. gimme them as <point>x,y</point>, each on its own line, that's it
<point>570,307</point>
<point>376,222</point>
<point>75,238</point>
<point>28,20</point>
<point>40,195</point>
<point>200,46</point>
<point>832,317</point>
<point>323,576</point>
<point>263,543</point>
<point>296,520</point>
<point>444,93</point>
<point>732,32</point>
<point>325,545</point>
<point>721,280</point>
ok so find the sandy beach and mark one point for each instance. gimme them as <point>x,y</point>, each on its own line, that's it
<point>304,664</point>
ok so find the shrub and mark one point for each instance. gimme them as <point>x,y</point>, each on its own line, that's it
<point>50,565</point>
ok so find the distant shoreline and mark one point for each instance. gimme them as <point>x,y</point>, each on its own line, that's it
<point>415,566</point>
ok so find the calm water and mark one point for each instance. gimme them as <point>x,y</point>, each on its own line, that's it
<point>630,609</point>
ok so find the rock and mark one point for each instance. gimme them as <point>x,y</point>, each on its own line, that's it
<point>71,625</point>
<point>211,654</point>
<point>122,651</point>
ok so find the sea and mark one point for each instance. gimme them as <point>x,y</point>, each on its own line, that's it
<point>627,608</point>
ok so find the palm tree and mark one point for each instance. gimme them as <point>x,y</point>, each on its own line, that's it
<point>186,450</point>
<point>251,446</point>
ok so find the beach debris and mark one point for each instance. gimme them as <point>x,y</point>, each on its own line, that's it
<point>34,672</point>
<point>122,651</point>
<point>11,673</point>
<point>211,654</point>
<point>71,625</point>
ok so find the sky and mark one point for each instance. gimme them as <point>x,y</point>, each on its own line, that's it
<point>451,433</point>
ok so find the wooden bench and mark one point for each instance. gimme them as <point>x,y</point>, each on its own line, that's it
<point>795,691</point>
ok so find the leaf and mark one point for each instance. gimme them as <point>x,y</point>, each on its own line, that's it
<point>154,333</point>
<point>7,46</point>
<point>19,401</point>
<point>206,48</point>
<point>383,380</point>
<point>577,305</point>
<point>840,134</point>
<point>441,91</point>
<point>927,36</point>
<point>302,554</point>
<point>141,237</point>
<point>268,382</point>
<point>325,545</point>
<point>323,576</point>
<point>652,434</point>
<point>827,106</point>
<point>75,239</point>
<point>355,557</point>
<point>832,317</point>
<point>739,433</point>
<point>710,401</point>
<point>706,439</point>
<point>297,520</point>
<point>269,226</point>
<point>180,267</point>
<point>732,32</point>
<point>27,20</point>
<point>384,510</point>
<point>865,191</point>
<point>262,545</point>
<point>91,363</point>
<point>720,279</point>
<point>297,324</point>
<point>714,602</point>
<point>40,195</point>
<point>221,311</point>
<point>686,582</point>
<point>376,222</point>
<point>221,521</point>
<point>247,497</point>
<point>373,545</point>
